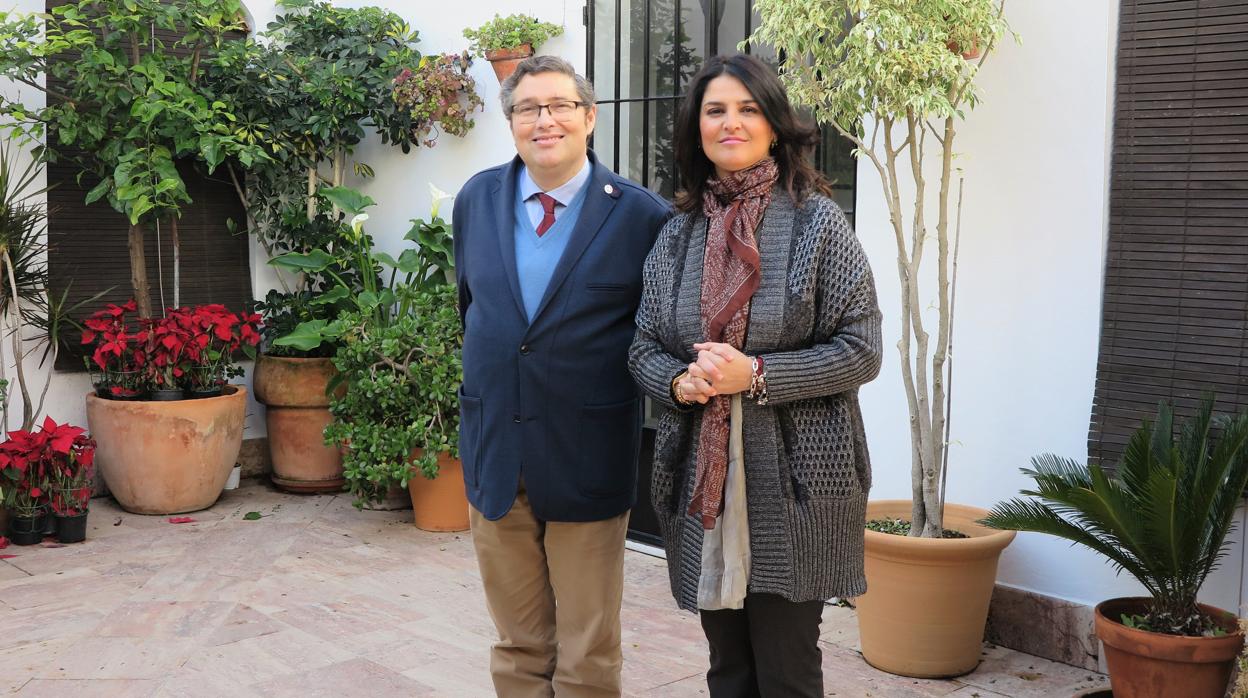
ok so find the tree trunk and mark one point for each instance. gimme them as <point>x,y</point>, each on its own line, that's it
<point>138,271</point>
<point>177,261</point>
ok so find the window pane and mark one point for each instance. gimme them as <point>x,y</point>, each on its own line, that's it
<point>730,24</point>
<point>604,47</point>
<point>605,130</point>
<point>662,159</point>
<point>693,40</point>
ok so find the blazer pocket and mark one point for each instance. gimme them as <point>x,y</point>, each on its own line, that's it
<point>609,437</point>
<point>470,429</point>
<point>606,288</point>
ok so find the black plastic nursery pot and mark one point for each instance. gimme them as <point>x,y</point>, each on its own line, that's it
<point>165,394</point>
<point>26,530</point>
<point>71,529</point>
<point>200,393</point>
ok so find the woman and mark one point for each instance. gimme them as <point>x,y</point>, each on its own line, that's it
<point>757,324</point>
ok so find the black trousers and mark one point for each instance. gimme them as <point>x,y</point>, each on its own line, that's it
<point>769,649</point>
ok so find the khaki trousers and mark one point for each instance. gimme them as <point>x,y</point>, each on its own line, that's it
<point>554,592</point>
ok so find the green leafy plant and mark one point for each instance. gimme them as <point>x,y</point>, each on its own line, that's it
<point>508,32</point>
<point>308,92</point>
<point>401,375</point>
<point>123,105</point>
<point>397,350</point>
<point>1162,515</point>
<point>888,75</point>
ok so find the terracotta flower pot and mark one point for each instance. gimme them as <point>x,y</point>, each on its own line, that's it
<point>167,457</point>
<point>440,504</point>
<point>505,60</point>
<point>927,599</point>
<point>293,390</point>
<point>1145,664</point>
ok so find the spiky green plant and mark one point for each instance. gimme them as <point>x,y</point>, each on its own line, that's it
<point>1162,516</point>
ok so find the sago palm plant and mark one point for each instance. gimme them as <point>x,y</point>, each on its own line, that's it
<point>1162,515</point>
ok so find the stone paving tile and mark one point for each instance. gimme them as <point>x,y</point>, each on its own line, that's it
<point>317,598</point>
<point>89,688</point>
<point>344,679</point>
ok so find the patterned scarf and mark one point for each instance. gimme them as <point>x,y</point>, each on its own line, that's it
<point>733,207</point>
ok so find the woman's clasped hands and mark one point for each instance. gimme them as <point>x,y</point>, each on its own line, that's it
<point>720,369</point>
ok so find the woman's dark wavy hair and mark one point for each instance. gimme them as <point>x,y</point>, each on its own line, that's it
<point>796,140</point>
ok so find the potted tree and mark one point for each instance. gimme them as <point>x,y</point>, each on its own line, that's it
<point>886,79</point>
<point>1162,515</point>
<point>505,41</point>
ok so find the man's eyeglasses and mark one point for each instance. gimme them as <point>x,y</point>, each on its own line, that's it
<point>560,111</point>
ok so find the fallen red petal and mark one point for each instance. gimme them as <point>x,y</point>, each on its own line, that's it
<point>4,542</point>
<point>181,519</point>
<point>6,557</point>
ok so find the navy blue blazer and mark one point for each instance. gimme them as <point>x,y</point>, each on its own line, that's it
<point>552,399</point>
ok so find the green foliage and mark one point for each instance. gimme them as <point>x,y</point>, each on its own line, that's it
<point>132,104</point>
<point>509,32</point>
<point>307,94</point>
<point>1163,516</point>
<point>401,374</point>
<point>884,59</point>
<point>356,272</point>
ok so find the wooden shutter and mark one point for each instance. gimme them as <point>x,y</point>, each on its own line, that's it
<point>88,250</point>
<point>1175,314</point>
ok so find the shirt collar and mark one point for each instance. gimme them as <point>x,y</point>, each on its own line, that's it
<point>563,193</point>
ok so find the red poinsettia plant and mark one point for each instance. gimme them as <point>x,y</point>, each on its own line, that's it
<point>119,351</point>
<point>52,464</point>
<point>215,336</point>
<point>190,347</point>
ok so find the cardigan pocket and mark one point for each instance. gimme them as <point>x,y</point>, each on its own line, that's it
<point>671,447</point>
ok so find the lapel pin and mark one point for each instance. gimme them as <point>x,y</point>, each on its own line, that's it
<point>611,191</point>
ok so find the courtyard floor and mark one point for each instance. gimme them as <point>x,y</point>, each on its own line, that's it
<point>316,598</point>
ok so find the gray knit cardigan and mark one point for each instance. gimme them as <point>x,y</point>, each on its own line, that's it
<point>816,323</point>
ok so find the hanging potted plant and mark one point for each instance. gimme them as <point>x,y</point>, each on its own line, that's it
<point>930,568</point>
<point>505,41</point>
<point>1162,515</point>
<point>171,457</point>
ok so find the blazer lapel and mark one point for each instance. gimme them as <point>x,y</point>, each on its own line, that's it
<point>505,224</point>
<point>598,205</point>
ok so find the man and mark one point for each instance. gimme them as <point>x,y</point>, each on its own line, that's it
<point>548,253</point>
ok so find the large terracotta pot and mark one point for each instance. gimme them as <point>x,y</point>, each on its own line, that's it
<point>927,599</point>
<point>505,60</point>
<point>293,390</point>
<point>440,504</point>
<point>1143,664</point>
<point>167,457</point>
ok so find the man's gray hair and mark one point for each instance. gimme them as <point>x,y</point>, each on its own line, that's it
<point>544,64</point>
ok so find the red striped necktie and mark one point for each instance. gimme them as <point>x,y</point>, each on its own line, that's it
<point>548,206</point>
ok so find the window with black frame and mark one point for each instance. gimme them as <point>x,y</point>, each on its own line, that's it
<point>641,57</point>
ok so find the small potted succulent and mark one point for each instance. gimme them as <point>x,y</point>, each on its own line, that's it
<point>505,41</point>
<point>1162,515</point>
